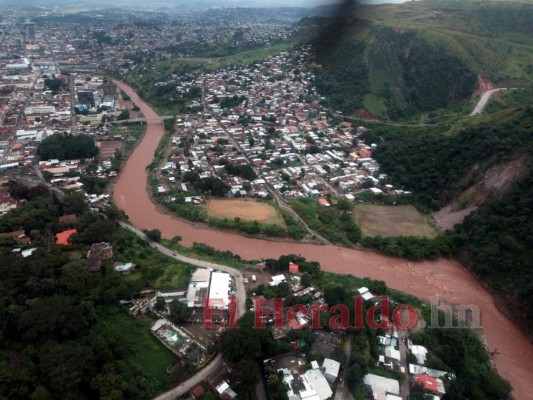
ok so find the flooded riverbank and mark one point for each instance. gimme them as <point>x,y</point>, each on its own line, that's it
<point>445,278</point>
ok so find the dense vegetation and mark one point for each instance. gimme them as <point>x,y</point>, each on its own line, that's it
<point>65,146</point>
<point>496,242</point>
<point>438,165</point>
<point>433,162</point>
<point>62,332</point>
<point>420,58</point>
<point>335,223</point>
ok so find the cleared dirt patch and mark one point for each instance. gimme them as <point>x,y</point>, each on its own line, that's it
<point>393,221</point>
<point>249,210</point>
<point>108,147</point>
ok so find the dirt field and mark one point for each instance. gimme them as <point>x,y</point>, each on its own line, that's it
<point>249,210</point>
<point>107,148</point>
<point>393,221</point>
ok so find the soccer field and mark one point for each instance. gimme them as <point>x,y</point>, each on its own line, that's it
<point>249,210</point>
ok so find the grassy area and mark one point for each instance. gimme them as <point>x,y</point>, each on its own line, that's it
<point>334,223</point>
<point>393,221</point>
<point>154,269</point>
<point>141,348</point>
<point>174,276</point>
<point>375,105</point>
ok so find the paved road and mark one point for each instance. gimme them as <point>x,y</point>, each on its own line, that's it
<point>241,309</point>
<point>480,106</point>
<point>191,382</point>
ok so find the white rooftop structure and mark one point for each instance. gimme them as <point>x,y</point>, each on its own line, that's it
<point>277,279</point>
<point>391,352</point>
<point>219,289</point>
<point>199,280</point>
<point>319,384</point>
<point>382,386</point>
<point>420,352</point>
<point>365,293</point>
<point>393,397</point>
<point>331,369</point>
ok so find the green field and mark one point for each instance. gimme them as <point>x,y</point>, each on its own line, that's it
<point>393,221</point>
<point>141,348</point>
<point>375,105</point>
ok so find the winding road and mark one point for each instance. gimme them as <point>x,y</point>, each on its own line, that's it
<point>482,103</point>
<point>447,279</point>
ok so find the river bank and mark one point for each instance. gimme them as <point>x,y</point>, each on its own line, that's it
<point>447,279</point>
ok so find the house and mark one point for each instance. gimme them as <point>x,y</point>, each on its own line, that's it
<point>323,202</point>
<point>64,238</point>
<point>318,384</point>
<point>381,387</point>
<point>99,252</point>
<point>125,269</point>
<point>431,384</point>
<point>277,279</point>
<point>19,236</point>
<point>331,369</point>
<point>293,268</point>
<point>197,391</point>
<point>420,352</point>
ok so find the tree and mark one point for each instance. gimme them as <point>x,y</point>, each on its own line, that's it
<point>124,115</point>
<point>247,373</point>
<point>153,234</point>
<point>306,280</point>
<point>178,312</point>
<point>354,376</point>
<point>176,239</point>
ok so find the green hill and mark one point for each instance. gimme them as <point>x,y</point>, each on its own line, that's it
<point>486,163</point>
<point>398,61</point>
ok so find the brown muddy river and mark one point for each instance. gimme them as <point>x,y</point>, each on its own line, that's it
<point>446,278</point>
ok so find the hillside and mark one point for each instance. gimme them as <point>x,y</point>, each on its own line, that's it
<point>416,59</point>
<point>483,165</point>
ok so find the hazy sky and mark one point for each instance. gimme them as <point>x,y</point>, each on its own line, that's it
<point>230,3</point>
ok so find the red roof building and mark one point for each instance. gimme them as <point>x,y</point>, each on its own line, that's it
<point>63,238</point>
<point>431,384</point>
<point>293,268</point>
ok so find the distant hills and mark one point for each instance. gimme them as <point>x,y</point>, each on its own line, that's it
<point>397,61</point>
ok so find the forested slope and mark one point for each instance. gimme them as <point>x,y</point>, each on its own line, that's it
<point>496,241</point>
<point>401,61</point>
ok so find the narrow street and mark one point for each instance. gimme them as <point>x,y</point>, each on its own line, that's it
<point>404,385</point>
<point>343,392</point>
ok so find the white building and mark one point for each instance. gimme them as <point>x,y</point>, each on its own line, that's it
<point>381,387</point>
<point>219,290</point>
<point>331,369</point>
<point>318,384</point>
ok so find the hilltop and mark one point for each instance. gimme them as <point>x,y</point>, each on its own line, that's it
<point>421,59</point>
